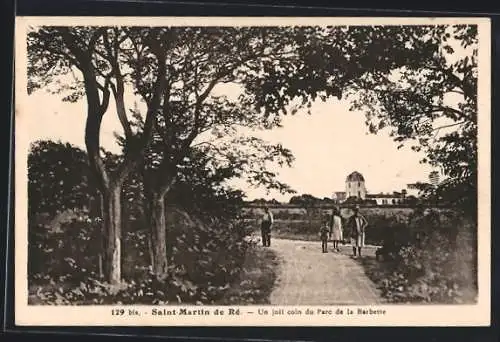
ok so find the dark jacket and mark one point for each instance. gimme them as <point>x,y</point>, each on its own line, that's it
<point>354,229</point>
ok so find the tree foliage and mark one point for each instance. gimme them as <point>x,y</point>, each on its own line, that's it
<point>433,106</point>
<point>58,178</point>
<point>305,200</point>
<point>274,66</point>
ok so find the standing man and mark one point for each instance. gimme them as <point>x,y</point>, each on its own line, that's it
<point>356,225</point>
<point>266,224</point>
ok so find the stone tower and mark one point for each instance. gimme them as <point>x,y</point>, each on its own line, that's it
<point>355,185</point>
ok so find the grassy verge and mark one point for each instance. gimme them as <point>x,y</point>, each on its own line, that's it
<point>256,280</point>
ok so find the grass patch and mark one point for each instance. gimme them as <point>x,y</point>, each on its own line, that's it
<point>295,236</point>
<point>257,279</point>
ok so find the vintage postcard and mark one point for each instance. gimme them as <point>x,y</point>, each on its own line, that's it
<point>185,171</point>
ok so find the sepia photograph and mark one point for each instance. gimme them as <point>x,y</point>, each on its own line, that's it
<point>337,165</point>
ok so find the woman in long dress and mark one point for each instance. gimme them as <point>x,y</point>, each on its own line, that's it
<point>336,229</point>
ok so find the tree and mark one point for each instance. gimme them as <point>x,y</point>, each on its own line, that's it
<point>306,200</point>
<point>433,106</point>
<point>97,54</point>
<point>198,187</point>
<point>201,59</point>
<point>200,191</point>
<point>353,200</point>
<point>411,200</point>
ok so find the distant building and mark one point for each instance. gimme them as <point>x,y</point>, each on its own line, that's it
<point>355,185</point>
<point>386,199</point>
<point>339,196</point>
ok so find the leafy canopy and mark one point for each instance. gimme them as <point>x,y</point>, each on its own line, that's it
<point>401,76</point>
<point>433,106</point>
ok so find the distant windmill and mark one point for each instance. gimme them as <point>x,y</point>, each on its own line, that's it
<point>434,178</point>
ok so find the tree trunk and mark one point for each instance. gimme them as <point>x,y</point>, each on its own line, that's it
<point>147,223</point>
<point>156,187</point>
<point>112,235</point>
<point>102,231</point>
<point>158,235</point>
<point>147,212</point>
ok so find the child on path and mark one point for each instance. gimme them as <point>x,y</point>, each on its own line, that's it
<point>325,229</point>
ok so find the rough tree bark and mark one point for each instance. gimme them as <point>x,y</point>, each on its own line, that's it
<point>158,236</point>
<point>112,234</point>
<point>156,210</point>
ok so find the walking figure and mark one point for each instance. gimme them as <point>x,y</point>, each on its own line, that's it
<point>356,225</point>
<point>324,232</point>
<point>266,224</point>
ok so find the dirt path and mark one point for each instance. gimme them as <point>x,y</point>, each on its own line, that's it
<point>308,277</point>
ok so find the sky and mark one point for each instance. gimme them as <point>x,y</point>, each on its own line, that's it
<point>331,143</point>
<point>327,145</point>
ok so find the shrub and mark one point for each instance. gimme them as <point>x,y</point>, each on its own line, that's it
<point>69,255</point>
<point>386,230</point>
<point>204,260</point>
<point>438,262</point>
